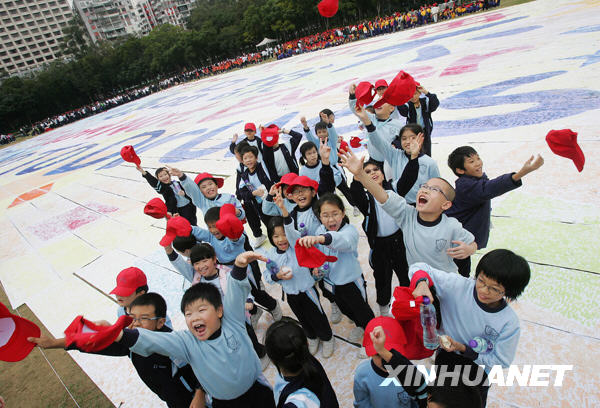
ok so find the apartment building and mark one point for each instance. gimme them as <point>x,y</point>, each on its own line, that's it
<point>31,32</point>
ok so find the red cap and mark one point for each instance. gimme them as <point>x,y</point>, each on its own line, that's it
<point>328,8</point>
<point>129,155</point>
<point>88,336</point>
<point>394,334</point>
<point>380,83</point>
<point>344,146</point>
<point>203,176</point>
<point>128,280</point>
<point>228,224</point>
<point>311,257</point>
<point>156,208</point>
<point>270,135</point>
<point>250,126</point>
<point>14,331</point>
<point>364,93</point>
<point>303,181</point>
<point>355,142</point>
<point>401,90</point>
<point>287,179</point>
<point>564,143</point>
<point>176,227</point>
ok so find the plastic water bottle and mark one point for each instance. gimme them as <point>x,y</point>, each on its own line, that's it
<point>429,323</point>
<point>322,272</point>
<point>303,230</point>
<point>481,345</point>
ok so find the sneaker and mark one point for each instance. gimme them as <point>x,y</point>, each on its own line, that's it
<point>336,314</point>
<point>384,310</point>
<point>313,346</point>
<point>328,348</point>
<point>254,318</point>
<point>362,353</point>
<point>264,362</point>
<point>356,335</point>
<point>356,211</point>
<point>258,241</point>
<point>276,313</point>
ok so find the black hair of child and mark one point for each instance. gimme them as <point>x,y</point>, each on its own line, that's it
<point>212,215</point>
<point>151,299</point>
<point>241,146</point>
<point>201,251</point>
<point>287,347</point>
<point>201,291</point>
<point>159,170</point>
<point>456,159</point>
<point>327,112</point>
<point>305,147</point>
<point>330,198</point>
<point>274,222</point>
<point>320,126</point>
<point>182,244</point>
<point>143,288</point>
<point>249,149</point>
<point>508,269</point>
<point>454,396</point>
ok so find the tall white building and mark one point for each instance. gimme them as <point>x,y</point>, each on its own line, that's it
<point>111,19</point>
<point>31,32</point>
<point>106,19</point>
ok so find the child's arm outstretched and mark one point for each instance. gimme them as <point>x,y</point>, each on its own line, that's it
<point>307,132</point>
<point>346,241</point>
<point>167,193</point>
<point>238,287</point>
<point>532,164</point>
<point>326,177</point>
<point>184,268</point>
<point>393,204</point>
<point>190,187</point>
<point>411,171</point>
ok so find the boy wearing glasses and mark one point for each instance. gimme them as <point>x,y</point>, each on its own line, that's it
<point>477,308</point>
<point>474,193</point>
<point>429,235</point>
<point>172,381</point>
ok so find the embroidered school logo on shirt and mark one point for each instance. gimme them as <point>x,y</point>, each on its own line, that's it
<point>232,343</point>
<point>440,244</point>
<point>490,333</point>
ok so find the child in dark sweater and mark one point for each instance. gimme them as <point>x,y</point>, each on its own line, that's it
<point>474,193</point>
<point>175,197</point>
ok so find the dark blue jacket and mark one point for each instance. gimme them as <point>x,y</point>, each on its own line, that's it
<point>472,205</point>
<point>428,105</point>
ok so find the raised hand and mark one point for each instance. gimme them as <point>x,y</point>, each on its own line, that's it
<point>415,145</point>
<point>532,164</point>
<point>361,113</point>
<point>304,123</point>
<point>324,117</point>
<point>352,89</point>
<point>352,162</point>
<point>378,339</point>
<point>324,151</point>
<point>243,259</point>
<point>173,171</point>
<point>139,168</point>
<point>234,138</point>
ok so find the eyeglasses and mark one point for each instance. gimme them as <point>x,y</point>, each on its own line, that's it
<point>300,190</point>
<point>142,320</point>
<point>334,215</point>
<point>433,188</point>
<point>494,291</point>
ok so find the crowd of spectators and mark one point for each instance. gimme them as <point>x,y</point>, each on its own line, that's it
<point>381,25</point>
<point>330,38</point>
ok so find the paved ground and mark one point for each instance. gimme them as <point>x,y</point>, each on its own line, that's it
<point>71,210</point>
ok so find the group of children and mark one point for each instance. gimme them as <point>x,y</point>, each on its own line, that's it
<point>418,226</point>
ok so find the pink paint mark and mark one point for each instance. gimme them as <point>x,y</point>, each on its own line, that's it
<point>70,220</point>
<point>421,72</point>
<point>418,35</point>
<point>103,208</point>
<point>470,63</point>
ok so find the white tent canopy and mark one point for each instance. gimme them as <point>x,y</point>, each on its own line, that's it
<point>265,41</point>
